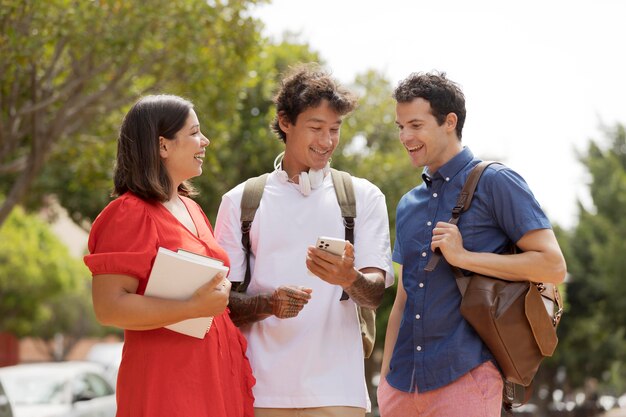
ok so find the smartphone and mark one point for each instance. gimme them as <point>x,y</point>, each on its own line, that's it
<point>331,244</point>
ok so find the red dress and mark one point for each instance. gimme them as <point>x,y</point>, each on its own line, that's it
<point>164,373</point>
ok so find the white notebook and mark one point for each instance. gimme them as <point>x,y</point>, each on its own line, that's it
<point>177,275</point>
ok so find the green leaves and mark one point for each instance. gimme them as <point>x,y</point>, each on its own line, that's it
<point>68,66</point>
<point>593,328</point>
<point>34,266</point>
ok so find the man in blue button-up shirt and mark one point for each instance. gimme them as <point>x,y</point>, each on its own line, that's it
<point>434,364</point>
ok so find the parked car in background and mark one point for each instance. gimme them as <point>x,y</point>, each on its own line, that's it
<point>109,355</point>
<point>5,405</point>
<point>58,389</point>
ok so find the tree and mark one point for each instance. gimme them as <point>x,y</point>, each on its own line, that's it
<point>593,331</point>
<point>34,268</point>
<point>66,65</point>
<point>71,318</point>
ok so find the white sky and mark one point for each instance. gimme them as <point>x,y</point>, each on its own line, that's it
<point>539,76</point>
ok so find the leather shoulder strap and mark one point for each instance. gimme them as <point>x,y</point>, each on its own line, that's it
<point>463,203</point>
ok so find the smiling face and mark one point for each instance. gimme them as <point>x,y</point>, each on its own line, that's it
<point>311,140</point>
<point>428,143</point>
<point>183,155</point>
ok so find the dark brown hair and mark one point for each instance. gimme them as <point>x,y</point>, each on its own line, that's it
<point>444,96</point>
<point>305,86</point>
<point>139,168</point>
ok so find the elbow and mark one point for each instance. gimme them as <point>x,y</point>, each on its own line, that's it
<point>103,315</point>
<point>103,318</point>
<point>557,270</point>
<point>561,272</point>
<point>378,300</point>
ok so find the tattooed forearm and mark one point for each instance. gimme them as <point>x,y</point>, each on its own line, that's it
<point>367,290</point>
<point>285,302</point>
<point>246,309</point>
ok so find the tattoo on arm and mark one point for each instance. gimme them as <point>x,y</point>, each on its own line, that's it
<point>285,302</point>
<point>246,309</point>
<point>367,291</point>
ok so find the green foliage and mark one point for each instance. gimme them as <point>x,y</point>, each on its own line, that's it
<point>69,68</point>
<point>593,331</point>
<point>80,171</point>
<point>34,268</point>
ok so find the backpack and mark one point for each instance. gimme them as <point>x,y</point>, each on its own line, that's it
<point>342,181</point>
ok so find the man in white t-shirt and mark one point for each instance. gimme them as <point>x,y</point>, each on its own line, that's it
<point>304,343</point>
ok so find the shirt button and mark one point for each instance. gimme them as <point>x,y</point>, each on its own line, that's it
<point>421,285</point>
<point>423,254</point>
<point>429,223</point>
<point>435,195</point>
<point>419,348</point>
<point>417,316</point>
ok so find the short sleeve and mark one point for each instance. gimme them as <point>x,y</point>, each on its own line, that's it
<point>514,205</point>
<point>228,234</point>
<point>123,240</point>
<point>371,233</point>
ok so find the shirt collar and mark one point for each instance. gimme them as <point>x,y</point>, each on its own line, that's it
<point>450,168</point>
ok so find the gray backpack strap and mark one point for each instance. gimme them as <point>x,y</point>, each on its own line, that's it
<point>250,200</point>
<point>345,193</point>
<point>344,190</point>
<point>347,202</point>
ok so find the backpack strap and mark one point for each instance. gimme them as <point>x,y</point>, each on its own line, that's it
<point>250,200</point>
<point>344,190</point>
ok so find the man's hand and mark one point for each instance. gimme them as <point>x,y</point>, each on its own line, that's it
<point>334,269</point>
<point>288,300</point>
<point>365,287</point>
<point>447,238</point>
<point>285,302</point>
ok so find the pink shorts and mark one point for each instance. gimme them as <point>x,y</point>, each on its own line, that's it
<point>478,393</point>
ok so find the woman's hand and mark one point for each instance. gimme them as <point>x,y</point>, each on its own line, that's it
<point>211,299</point>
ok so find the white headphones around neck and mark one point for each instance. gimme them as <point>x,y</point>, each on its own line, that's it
<point>307,181</point>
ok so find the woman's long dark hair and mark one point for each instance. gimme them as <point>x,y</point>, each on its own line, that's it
<point>139,168</point>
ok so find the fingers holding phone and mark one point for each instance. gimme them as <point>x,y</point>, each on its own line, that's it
<point>332,260</point>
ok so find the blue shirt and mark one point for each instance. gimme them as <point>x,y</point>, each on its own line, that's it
<point>435,344</point>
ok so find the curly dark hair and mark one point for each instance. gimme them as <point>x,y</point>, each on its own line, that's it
<point>445,96</point>
<point>139,168</point>
<point>305,86</point>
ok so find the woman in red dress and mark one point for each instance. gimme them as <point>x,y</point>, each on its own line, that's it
<point>164,373</point>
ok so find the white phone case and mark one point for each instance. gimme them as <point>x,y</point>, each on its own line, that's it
<point>331,244</point>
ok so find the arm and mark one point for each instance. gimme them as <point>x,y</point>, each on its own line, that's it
<point>365,286</point>
<point>393,326</point>
<point>285,302</point>
<point>541,260</point>
<point>116,303</point>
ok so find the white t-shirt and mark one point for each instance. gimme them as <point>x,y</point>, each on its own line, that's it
<point>316,358</point>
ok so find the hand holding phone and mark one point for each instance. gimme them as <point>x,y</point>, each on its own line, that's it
<point>331,244</point>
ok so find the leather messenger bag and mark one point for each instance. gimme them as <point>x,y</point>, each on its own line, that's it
<point>517,320</point>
